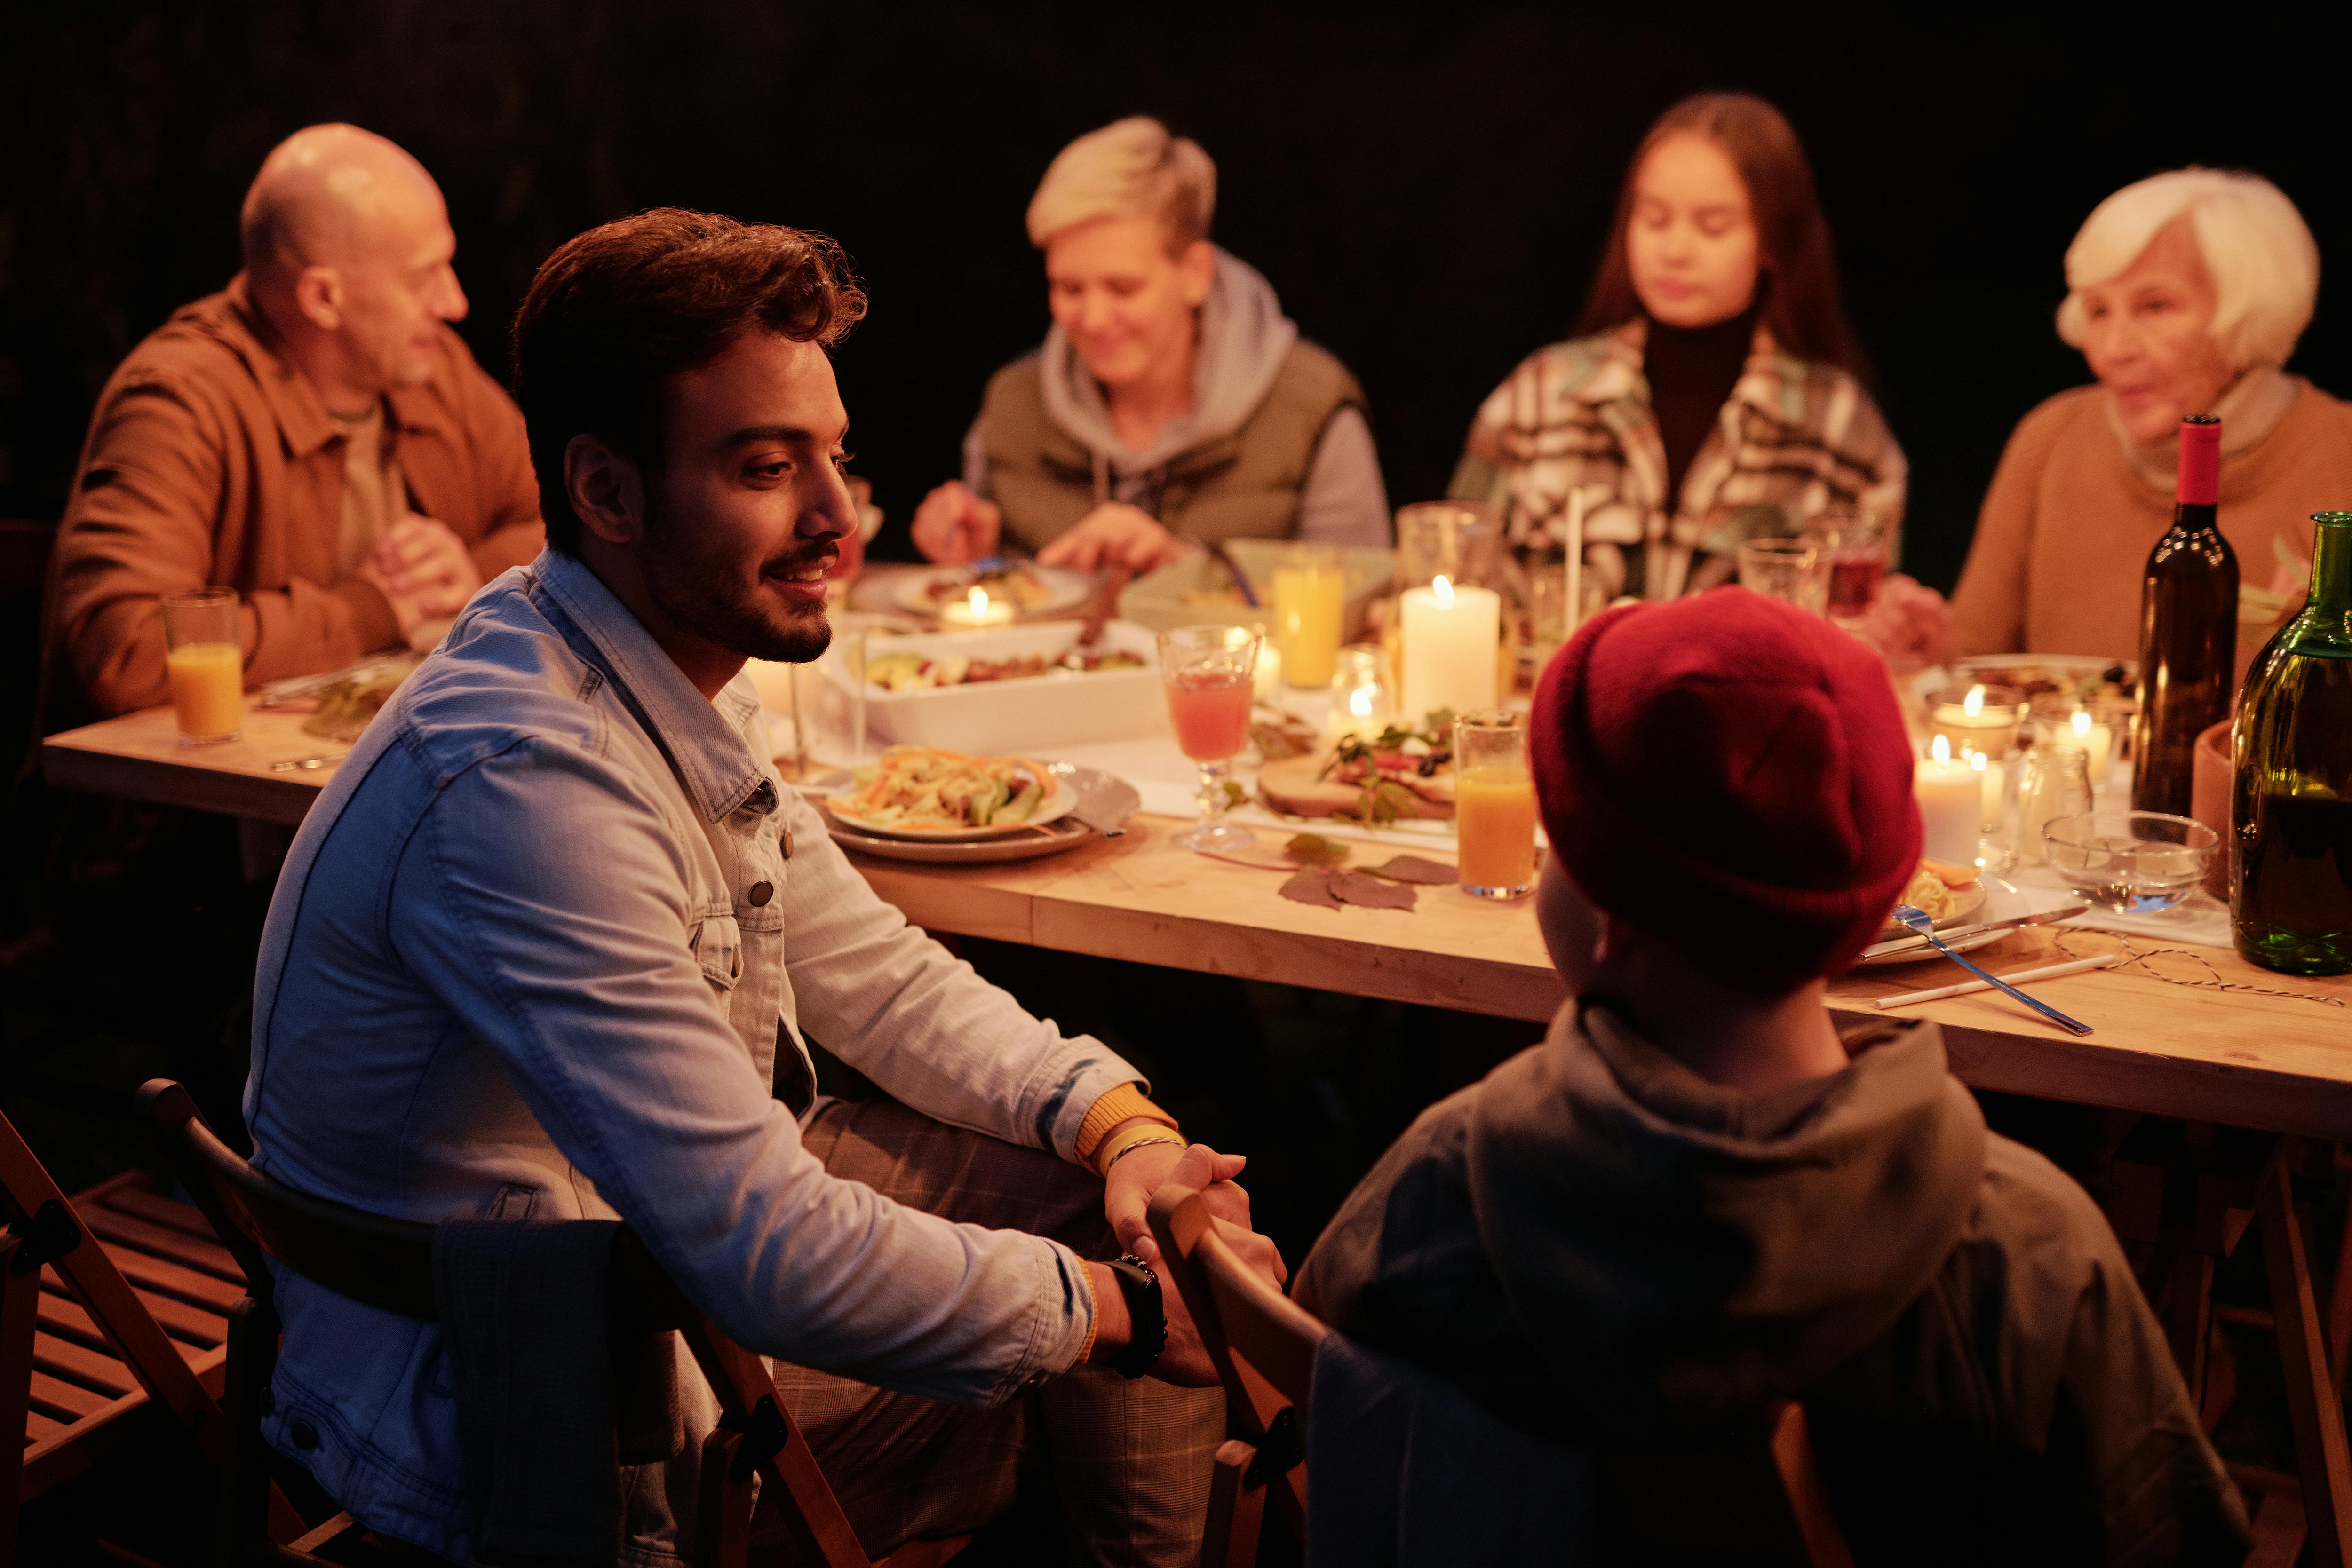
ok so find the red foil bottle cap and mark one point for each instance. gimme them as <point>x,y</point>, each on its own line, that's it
<point>2200,461</point>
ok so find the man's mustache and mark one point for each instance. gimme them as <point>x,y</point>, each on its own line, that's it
<point>826,553</point>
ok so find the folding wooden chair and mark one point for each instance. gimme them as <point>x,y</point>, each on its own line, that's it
<point>388,1264</point>
<point>113,1301</point>
<point>1757,1500</point>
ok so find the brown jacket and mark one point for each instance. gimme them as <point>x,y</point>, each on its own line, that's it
<point>2068,522</point>
<point>1600,1246</point>
<point>211,460</point>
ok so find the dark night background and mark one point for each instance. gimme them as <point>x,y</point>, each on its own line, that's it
<point>1427,187</point>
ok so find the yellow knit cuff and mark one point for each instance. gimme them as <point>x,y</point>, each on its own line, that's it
<point>1093,1315</point>
<point>1115,1105</point>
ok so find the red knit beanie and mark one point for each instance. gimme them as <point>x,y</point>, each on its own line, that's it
<point>1732,774</point>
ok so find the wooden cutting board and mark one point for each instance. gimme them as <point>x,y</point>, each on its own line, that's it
<point>1291,786</point>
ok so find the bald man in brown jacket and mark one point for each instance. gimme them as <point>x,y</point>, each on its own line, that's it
<point>315,436</point>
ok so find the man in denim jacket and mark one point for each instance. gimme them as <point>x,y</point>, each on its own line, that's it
<point>546,948</point>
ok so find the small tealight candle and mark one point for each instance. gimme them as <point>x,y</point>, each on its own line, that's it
<point>976,609</point>
<point>1983,719</point>
<point>2098,741</point>
<point>1996,788</point>
<point>1951,804</point>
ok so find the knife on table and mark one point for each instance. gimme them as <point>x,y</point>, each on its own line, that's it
<point>2039,917</point>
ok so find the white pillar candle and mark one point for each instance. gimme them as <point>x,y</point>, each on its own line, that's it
<point>1951,804</point>
<point>1996,788</point>
<point>1451,635</point>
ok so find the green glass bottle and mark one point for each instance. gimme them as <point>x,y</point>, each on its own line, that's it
<point>2291,808</point>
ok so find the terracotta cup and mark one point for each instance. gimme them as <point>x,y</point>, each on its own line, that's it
<point>2209,798</point>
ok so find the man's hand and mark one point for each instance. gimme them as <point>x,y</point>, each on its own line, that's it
<point>1127,1194</point>
<point>1185,1362</point>
<point>1115,534</point>
<point>1912,625</point>
<point>955,525</point>
<point>422,569</point>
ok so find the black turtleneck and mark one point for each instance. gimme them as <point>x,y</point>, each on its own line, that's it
<point>1691,372</point>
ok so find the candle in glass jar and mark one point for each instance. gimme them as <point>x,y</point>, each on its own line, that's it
<point>2098,741</point>
<point>976,609</point>
<point>1982,718</point>
<point>1951,804</point>
<point>1449,638</point>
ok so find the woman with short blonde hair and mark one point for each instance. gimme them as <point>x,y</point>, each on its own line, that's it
<point>1171,402</point>
<point>2186,293</point>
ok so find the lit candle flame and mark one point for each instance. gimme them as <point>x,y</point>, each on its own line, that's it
<point>978,600</point>
<point>1442,586</point>
<point>2082,725</point>
<point>1977,760</point>
<point>1974,703</point>
<point>1942,750</point>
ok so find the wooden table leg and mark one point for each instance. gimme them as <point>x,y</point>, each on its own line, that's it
<point>2318,1415</point>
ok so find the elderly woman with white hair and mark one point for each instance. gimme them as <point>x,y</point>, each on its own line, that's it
<point>1173,401</point>
<point>2186,293</point>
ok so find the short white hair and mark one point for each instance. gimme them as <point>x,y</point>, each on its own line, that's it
<point>2263,260</point>
<point>1128,168</point>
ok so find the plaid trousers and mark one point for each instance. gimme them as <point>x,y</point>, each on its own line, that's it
<point>1130,1460</point>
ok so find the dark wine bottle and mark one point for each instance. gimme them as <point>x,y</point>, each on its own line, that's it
<point>2187,629</point>
<point>2291,808</point>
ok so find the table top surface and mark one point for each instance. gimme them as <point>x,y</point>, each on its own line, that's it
<point>2282,1063</point>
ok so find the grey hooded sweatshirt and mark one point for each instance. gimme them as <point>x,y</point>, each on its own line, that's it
<point>1603,1247</point>
<point>1244,340</point>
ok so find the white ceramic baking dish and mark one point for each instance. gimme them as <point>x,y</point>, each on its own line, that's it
<point>1064,708</point>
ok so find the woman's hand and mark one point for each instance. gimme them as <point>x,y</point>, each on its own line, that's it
<point>1910,624</point>
<point>955,525</point>
<point>1115,534</point>
<point>1185,1361</point>
<point>1127,1193</point>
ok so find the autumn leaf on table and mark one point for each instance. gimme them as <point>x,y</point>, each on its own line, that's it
<point>1413,868</point>
<point>1368,892</point>
<point>1313,849</point>
<point>1311,885</point>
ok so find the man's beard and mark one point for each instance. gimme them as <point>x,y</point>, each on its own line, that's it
<point>707,598</point>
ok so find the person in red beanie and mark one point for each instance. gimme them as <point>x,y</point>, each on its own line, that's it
<point>1695,1198</point>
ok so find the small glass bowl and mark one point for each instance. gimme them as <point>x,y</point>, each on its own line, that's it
<point>2136,862</point>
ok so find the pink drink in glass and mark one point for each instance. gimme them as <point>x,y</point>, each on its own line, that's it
<point>1211,712</point>
<point>1854,576</point>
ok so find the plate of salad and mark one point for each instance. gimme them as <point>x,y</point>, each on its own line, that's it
<point>927,792</point>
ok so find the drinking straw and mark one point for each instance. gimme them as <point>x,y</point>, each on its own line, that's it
<point>1575,560</point>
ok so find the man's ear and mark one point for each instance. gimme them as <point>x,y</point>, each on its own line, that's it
<point>607,491</point>
<point>319,296</point>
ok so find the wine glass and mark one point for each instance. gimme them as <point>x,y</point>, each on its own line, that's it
<point>1208,672</point>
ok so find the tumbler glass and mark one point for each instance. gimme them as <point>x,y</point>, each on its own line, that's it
<point>1207,672</point>
<point>1310,596</point>
<point>1786,569</point>
<point>1494,804</point>
<point>205,662</point>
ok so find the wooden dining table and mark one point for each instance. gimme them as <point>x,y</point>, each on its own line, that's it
<point>2277,1063</point>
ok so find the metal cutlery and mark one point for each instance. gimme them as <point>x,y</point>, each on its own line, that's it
<point>304,764</point>
<point>2039,917</point>
<point>1920,920</point>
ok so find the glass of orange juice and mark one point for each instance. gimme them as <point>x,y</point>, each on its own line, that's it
<point>1208,673</point>
<point>206,660</point>
<point>1494,804</point>
<point>1310,596</point>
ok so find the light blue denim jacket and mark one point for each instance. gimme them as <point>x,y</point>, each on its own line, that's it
<point>533,955</point>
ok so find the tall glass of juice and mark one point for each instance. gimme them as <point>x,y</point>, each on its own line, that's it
<point>1494,804</point>
<point>205,661</point>
<point>1310,595</point>
<point>1208,672</point>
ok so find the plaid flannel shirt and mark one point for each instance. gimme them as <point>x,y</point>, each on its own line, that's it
<point>1797,441</point>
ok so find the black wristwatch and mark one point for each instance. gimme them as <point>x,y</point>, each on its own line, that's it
<point>1140,1288</point>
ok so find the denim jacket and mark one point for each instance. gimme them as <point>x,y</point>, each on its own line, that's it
<point>535,954</point>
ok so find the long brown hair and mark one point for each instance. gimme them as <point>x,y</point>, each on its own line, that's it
<point>1797,282</point>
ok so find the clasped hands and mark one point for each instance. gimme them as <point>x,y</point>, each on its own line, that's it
<point>1127,1200</point>
<point>955,525</point>
<point>422,569</point>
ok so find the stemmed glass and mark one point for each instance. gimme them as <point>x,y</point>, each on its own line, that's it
<point>1207,672</point>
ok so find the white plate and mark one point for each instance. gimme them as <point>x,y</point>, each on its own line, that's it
<point>1068,833</point>
<point>1966,902</point>
<point>1034,715</point>
<point>1059,804</point>
<point>2002,901</point>
<point>2082,667</point>
<point>1065,589</point>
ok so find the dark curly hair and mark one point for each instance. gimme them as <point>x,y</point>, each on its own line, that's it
<point>618,310</point>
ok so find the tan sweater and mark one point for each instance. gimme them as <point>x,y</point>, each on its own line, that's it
<point>2068,523</point>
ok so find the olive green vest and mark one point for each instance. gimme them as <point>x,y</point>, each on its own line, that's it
<point>1243,484</point>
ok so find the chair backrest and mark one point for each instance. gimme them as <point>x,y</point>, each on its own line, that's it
<point>1234,1309</point>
